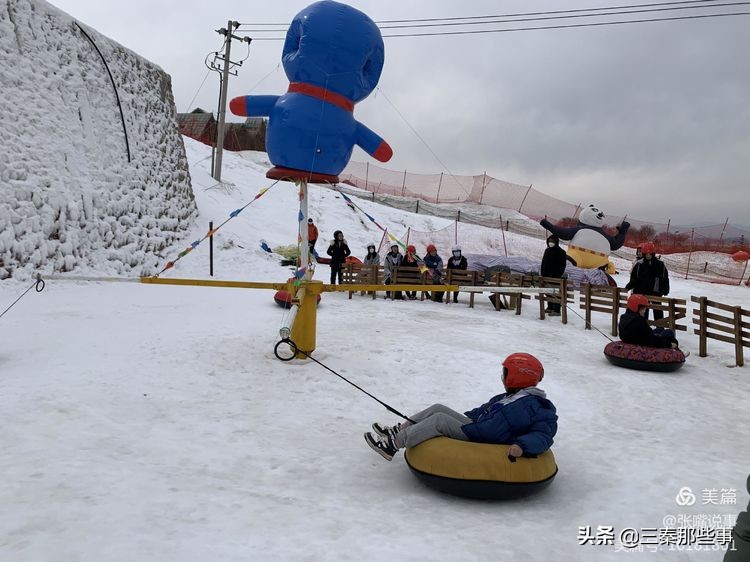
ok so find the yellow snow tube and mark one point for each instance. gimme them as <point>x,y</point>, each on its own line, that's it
<point>479,470</point>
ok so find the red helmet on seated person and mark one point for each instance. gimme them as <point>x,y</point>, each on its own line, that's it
<point>648,248</point>
<point>636,301</point>
<point>431,248</point>
<point>521,370</point>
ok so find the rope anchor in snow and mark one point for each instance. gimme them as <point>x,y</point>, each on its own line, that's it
<point>38,285</point>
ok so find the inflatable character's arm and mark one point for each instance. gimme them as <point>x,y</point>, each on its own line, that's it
<point>616,242</point>
<point>253,106</point>
<point>372,144</point>
<point>561,232</point>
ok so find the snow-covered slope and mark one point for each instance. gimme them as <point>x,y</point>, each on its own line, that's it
<point>68,195</point>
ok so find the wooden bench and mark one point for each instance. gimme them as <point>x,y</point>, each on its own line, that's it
<point>510,300</point>
<point>733,328</point>
<point>463,277</point>
<point>359,274</point>
<point>563,298</point>
<point>409,275</point>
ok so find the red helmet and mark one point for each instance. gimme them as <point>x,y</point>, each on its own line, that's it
<point>648,248</point>
<point>431,248</point>
<point>411,249</point>
<point>635,301</point>
<point>521,370</point>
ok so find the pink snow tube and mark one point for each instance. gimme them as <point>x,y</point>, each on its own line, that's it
<point>644,358</point>
<point>284,299</point>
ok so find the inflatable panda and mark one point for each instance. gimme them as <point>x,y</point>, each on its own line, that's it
<point>588,244</point>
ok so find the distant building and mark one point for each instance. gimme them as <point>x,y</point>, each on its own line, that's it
<point>201,126</point>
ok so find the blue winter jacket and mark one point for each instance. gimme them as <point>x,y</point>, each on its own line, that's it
<point>529,421</point>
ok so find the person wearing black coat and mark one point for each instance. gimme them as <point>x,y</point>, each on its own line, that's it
<point>457,261</point>
<point>553,265</point>
<point>634,328</point>
<point>650,277</point>
<point>339,251</point>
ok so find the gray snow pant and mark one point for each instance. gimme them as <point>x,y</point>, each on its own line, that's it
<point>432,422</point>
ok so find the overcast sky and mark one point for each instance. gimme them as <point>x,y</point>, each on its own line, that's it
<point>650,120</point>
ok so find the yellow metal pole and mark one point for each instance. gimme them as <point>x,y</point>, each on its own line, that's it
<point>304,327</point>
<point>214,283</point>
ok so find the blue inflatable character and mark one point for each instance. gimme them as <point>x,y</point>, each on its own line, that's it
<point>333,56</point>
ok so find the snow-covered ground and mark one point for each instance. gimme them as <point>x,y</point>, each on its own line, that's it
<point>153,423</point>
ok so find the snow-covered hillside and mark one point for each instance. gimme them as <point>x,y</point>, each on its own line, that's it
<point>153,423</point>
<point>68,194</point>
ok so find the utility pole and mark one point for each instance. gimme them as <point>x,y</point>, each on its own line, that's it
<point>225,72</point>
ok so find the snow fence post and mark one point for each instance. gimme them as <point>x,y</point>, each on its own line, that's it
<point>211,249</point>
<point>738,351</point>
<point>703,328</point>
<point>690,254</point>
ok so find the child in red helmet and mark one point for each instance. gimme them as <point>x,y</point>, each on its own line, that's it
<point>634,327</point>
<point>522,417</point>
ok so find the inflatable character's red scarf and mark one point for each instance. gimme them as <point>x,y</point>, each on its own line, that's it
<point>322,94</point>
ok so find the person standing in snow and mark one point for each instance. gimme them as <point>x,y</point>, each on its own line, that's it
<point>339,251</point>
<point>312,235</point>
<point>434,263</point>
<point>411,260</point>
<point>457,261</point>
<point>522,417</point>
<point>649,277</point>
<point>392,260</point>
<point>634,328</point>
<point>553,265</point>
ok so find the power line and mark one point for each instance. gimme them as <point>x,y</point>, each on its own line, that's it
<point>379,89</point>
<point>706,4</point>
<point>568,26</point>
<point>198,90</point>
<point>519,19</point>
<point>551,12</point>
<point>541,27</point>
<point>615,13</point>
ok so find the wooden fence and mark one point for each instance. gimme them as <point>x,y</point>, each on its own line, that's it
<point>710,323</point>
<point>734,329</point>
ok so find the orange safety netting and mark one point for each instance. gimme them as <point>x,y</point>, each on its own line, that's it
<point>702,253</point>
<point>486,190</point>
